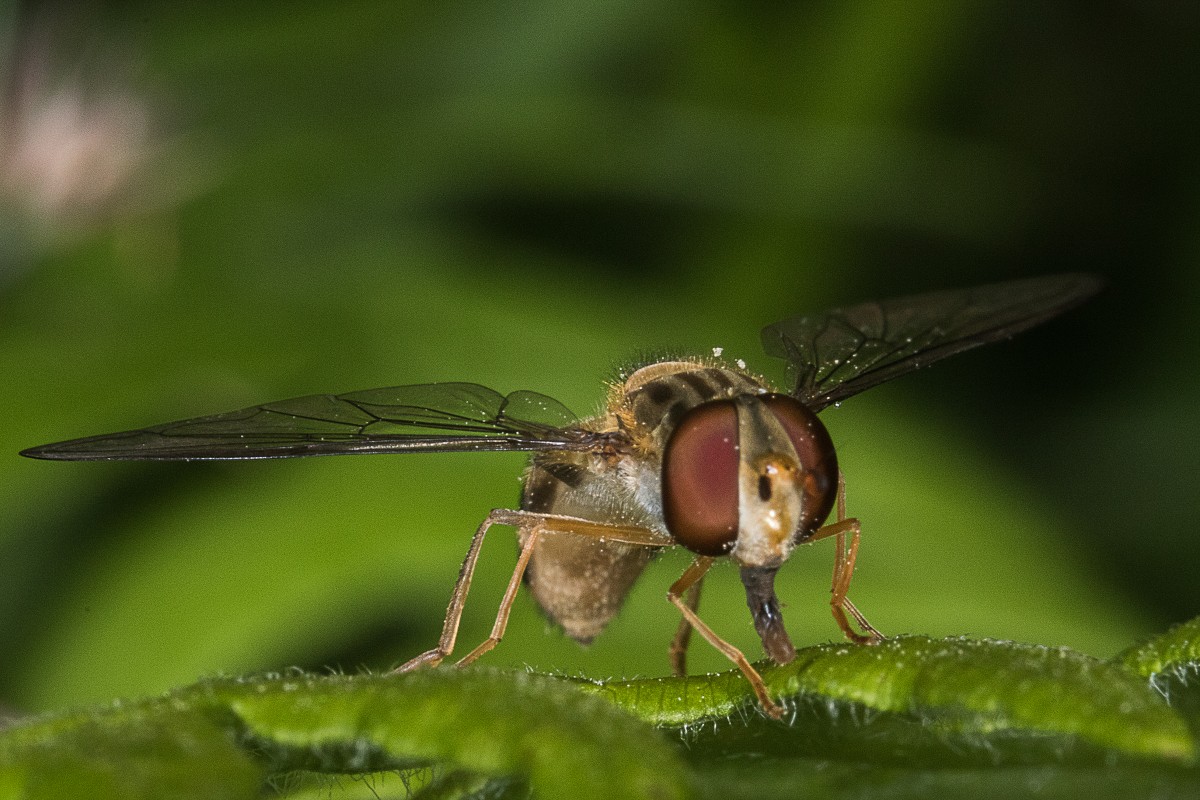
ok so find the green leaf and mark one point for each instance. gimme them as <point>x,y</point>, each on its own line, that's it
<point>562,742</point>
<point>140,750</point>
<point>993,699</point>
<point>958,717</point>
<point>1170,663</point>
<point>1177,649</point>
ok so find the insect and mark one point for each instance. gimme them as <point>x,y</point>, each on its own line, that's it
<point>691,452</point>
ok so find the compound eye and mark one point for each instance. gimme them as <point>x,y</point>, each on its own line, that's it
<point>818,460</point>
<point>700,479</point>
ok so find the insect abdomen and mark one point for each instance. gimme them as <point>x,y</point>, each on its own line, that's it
<point>580,581</point>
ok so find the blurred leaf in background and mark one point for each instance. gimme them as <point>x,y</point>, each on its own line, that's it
<point>311,197</point>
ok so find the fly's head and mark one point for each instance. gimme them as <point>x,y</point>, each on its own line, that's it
<point>750,478</point>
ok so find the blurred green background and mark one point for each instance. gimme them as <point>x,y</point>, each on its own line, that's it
<point>203,208</point>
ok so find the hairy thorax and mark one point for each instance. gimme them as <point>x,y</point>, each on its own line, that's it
<point>581,581</point>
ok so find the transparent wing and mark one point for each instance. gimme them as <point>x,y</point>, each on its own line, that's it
<point>840,353</point>
<point>423,417</point>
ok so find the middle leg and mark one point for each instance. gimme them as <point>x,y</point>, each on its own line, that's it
<point>683,634</point>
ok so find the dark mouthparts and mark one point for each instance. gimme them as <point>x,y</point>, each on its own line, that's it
<point>764,608</point>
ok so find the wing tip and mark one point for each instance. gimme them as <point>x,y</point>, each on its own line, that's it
<point>44,452</point>
<point>1079,286</point>
<point>58,452</point>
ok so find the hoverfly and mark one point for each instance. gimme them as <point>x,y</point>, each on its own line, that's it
<point>690,452</point>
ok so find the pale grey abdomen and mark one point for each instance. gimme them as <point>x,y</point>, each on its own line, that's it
<point>581,580</point>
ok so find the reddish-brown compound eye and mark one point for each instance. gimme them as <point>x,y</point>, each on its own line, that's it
<point>818,460</point>
<point>700,479</point>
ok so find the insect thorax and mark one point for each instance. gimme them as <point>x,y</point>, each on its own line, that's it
<point>655,397</point>
<point>580,581</point>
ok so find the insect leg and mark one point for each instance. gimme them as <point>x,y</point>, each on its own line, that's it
<point>683,634</point>
<point>843,570</point>
<point>690,576</point>
<point>458,598</point>
<point>510,594</point>
<point>536,523</point>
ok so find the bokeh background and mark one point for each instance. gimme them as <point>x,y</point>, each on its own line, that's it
<point>203,208</point>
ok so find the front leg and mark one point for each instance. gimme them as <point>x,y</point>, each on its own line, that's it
<point>675,594</point>
<point>843,570</point>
